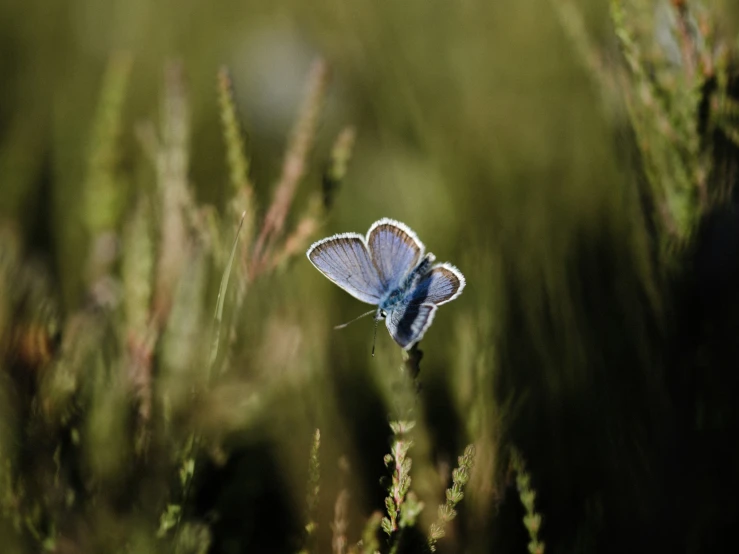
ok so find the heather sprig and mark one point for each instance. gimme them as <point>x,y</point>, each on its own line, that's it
<point>137,265</point>
<point>527,494</point>
<point>242,190</point>
<point>400,466</point>
<point>238,162</point>
<point>293,168</point>
<point>340,525</point>
<point>338,165</point>
<point>171,155</point>
<point>402,506</point>
<point>317,210</point>
<point>454,495</point>
<point>104,188</point>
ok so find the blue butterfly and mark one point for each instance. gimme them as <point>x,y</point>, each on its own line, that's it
<point>388,269</point>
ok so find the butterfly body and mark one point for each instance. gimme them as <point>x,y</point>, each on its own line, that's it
<point>408,289</point>
<point>388,269</point>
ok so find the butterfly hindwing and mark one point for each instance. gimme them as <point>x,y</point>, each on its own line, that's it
<point>395,250</point>
<point>408,323</point>
<point>442,284</point>
<point>345,260</point>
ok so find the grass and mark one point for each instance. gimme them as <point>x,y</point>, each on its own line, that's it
<point>169,377</point>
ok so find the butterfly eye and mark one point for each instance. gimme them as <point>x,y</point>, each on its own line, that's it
<point>383,313</point>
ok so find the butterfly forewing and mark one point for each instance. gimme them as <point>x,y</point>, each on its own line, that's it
<point>345,260</point>
<point>440,285</point>
<point>408,323</point>
<point>395,250</point>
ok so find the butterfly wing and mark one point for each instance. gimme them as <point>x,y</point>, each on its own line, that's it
<point>395,250</point>
<point>442,284</point>
<point>407,323</point>
<point>345,260</point>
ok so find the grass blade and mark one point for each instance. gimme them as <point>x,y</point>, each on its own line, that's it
<point>218,316</point>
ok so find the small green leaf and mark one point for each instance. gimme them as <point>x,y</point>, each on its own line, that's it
<point>187,471</point>
<point>169,519</point>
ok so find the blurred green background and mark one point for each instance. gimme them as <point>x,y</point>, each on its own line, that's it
<point>480,125</point>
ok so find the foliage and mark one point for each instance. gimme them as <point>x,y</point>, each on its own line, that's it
<point>166,353</point>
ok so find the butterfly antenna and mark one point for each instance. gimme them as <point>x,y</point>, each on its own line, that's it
<point>353,320</point>
<point>374,337</point>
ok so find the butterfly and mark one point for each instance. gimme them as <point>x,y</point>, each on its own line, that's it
<point>389,269</point>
